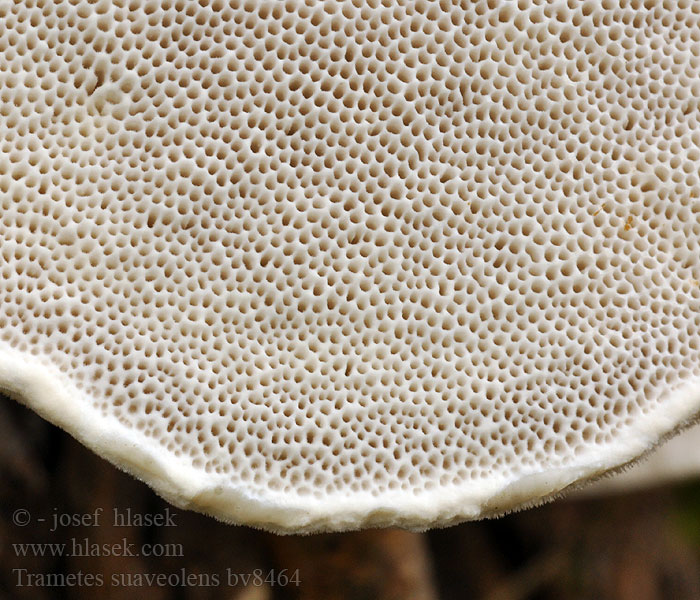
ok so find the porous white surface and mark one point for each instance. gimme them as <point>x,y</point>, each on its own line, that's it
<point>676,460</point>
<point>326,265</point>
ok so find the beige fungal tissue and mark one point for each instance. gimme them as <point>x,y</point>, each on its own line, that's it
<point>326,265</point>
<point>675,461</point>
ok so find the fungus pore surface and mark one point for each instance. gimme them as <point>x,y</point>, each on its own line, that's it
<point>329,265</point>
<point>677,460</point>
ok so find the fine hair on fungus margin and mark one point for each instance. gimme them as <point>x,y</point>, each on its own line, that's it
<point>312,266</point>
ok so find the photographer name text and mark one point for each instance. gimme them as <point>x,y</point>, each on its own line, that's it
<point>117,518</point>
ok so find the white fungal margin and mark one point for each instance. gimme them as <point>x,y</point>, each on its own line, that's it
<point>44,390</point>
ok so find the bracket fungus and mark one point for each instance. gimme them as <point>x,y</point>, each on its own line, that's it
<point>675,461</point>
<point>314,266</point>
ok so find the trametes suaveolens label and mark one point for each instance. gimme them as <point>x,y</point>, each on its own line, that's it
<point>325,265</point>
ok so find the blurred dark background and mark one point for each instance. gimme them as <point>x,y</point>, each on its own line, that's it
<point>640,546</point>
